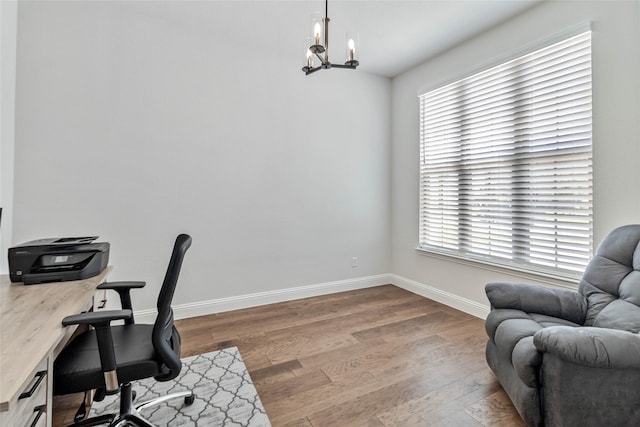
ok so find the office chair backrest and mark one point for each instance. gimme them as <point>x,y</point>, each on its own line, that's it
<point>166,339</point>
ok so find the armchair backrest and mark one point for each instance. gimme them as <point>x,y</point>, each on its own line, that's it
<point>166,339</point>
<point>611,281</point>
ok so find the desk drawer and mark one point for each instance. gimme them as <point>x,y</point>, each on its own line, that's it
<point>37,418</point>
<point>31,407</point>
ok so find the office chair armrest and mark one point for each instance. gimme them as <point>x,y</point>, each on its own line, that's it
<point>121,285</point>
<point>101,321</point>
<point>123,289</point>
<point>97,318</point>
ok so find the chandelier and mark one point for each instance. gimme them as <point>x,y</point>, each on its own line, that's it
<point>318,45</point>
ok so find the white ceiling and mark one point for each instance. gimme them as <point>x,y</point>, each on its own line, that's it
<point>395,35</point>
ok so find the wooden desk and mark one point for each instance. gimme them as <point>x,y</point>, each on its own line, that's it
<point>32,335</point>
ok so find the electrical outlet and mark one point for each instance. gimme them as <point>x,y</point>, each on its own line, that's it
<point>354,261</point>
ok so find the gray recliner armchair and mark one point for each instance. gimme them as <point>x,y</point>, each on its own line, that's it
<point>569,358</point>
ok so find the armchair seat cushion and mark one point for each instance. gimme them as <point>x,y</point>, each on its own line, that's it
<point>512,332</point>
<point>530,321</point>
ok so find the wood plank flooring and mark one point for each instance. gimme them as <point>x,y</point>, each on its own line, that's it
<point>380,356</point>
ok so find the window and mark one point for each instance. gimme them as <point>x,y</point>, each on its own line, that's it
<point>505,163</point>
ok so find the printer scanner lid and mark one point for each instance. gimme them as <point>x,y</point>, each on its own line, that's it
<point>59,241</point>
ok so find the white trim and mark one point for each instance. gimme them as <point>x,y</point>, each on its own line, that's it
<point>201,308</point>
<point>518,272</point>
<point>452,300</point>
<point>582,27</point>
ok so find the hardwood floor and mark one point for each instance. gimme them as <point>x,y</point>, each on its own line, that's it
<point>380,356</point>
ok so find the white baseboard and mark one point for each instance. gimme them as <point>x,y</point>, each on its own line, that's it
<point>201,308</point>
<point>452,300</point>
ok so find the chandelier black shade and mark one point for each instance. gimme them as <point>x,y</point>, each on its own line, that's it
<point>317,46</point>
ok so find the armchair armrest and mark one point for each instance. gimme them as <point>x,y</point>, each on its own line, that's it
<point>561,303</point>
<point>101,321</point>
<point>123,289</point>
<point>592,347</point>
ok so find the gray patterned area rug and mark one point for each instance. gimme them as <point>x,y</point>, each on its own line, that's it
<point>225,394</point>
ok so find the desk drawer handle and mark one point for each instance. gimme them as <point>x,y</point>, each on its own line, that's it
<point>40,410</point>
<point>39,377</point>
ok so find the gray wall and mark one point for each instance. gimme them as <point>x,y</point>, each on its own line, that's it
<point>135,127</point>
<point>8,33</point>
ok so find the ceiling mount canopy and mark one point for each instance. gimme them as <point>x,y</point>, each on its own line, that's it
<point>318,44</point>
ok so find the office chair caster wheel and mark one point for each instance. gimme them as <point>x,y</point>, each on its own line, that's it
<point>189,399</point>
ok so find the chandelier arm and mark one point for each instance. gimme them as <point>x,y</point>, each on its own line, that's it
<point>346,65</point>
<point>308,71</point>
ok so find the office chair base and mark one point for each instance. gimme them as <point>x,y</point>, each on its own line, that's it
<point>188,396</point>
<point>133,417</point>
<point>130,415</point>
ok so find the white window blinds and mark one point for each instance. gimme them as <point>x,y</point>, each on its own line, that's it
<point>505,163</point>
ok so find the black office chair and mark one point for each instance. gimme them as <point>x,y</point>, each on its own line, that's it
<point>110,357</point>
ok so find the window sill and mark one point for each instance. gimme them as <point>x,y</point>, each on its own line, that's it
<point>547,278</point>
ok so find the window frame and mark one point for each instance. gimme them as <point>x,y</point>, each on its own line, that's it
<point>526,269</point>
